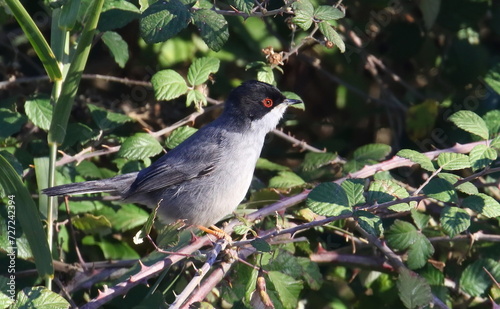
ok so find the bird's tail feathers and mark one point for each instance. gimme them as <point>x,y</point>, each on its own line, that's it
<point>116,184</point>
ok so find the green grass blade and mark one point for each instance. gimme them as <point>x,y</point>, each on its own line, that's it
<point>28,216</point>
<point>36,39</point>
<point>72,81</point>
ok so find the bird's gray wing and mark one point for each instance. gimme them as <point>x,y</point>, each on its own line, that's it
<point>188,161</point>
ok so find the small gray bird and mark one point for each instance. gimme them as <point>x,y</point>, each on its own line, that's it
<point>207,176</point>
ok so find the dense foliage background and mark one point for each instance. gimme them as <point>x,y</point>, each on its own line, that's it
<point>367,202</point>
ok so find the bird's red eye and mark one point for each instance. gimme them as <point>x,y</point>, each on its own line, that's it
<point>267,102</point>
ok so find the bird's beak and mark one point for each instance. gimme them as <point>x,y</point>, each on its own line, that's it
<point>291,101</point>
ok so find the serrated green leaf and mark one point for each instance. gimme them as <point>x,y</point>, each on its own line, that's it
<point>118,47</point>
<point>91,224</point>
<point>140,146</point>
<point>168,85</point>
<point>40,298</point>
<point>78,133</point>
<point>331,35</point>
<point>112,249</point>
<point>370,222</point>
<point>265,164</point>
<point>441,190</point>
<point>327,12</point>
<point>401,235</point>
<point>329,199</point>
<point>39,111</point>
<point>421,219</point>
<point>261,245</point>
<point>414,291</point>
<point>475,281</point>
<point>178,136</point>
<point>117,14</point>
<point>492,120</point>
<point>481,156</point>
<point>124,217</point>
<point>285,180</point>
<point>10,122</point>
<point>303,14</point>
<point>383,191</point>
<point>315,160</point>
<point>418,158</point>
<point>265,74</point>
<point>495,143</point>
<point>162,20</point>
<point>213,28</point>
<point>466,187</point>
<point>482,204</point>
<point>492,78</point>
<point>375,152</point>
<point>453,161</point>
<point>244,5</point>
<point>201,68</point>
<point>293,95</point>
<point>354,188</point>
<point>107,120</point>
<point>419,252</point>
<point>288,289</point>
<point>194,96</point>
<point>470,122</point>
<point>454,220</point>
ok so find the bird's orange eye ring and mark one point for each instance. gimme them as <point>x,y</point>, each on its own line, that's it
<point>267,102</point>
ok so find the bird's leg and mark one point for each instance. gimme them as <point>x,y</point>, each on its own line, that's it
<point>217,232</point>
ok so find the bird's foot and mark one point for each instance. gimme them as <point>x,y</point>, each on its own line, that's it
<point>217,232</point>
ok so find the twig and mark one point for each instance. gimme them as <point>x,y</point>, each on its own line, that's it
<point>195,281</point>
<point>73,234</point>
<point>295,142</point>
<point>352,260</point>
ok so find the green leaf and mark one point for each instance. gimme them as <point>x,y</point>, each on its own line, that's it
<point>454,220</point>
<point>481,156</point>
<point>470,122</point>
<point>475,281</point>
<point>285,180</point>
<point>453,161</point>
<point>327,12</point>
<point>495,143</point>
<point>78,133</point>
<point>414,291</point>
<point>354,188</point>
<point>466,187</point>
<point>111,248</point>
<point>331,35</point>
<point>178,136</point>
<point>482,204</point>
<point>303,14</point>
<point>265,74</point>
<point>168,85</point>
<point>194,96</point>
<point>492,78</point>
<point>293,95</point>
<point>492,119</point>
<point>117,14</point>
<point>401,235</point>
<point>39,111</point>
<point>261,245</point>
<point>265,164</point>
<point>315,160</point>
<point>419,252</point>
<point>311,273</point>
<point>287,288</point>
<point>124,217</point>
<point>10,122</point>
<point>107,120</point>
<point>201,68</point>
<point>375,152</point>
<point>117,46</point>
<point>20,201</point>
<point>91,224</point>
<point>40,298</point>
<point>213,28</point>
<point>140,146</point>
<point>244,5</point>
<point>370,222</point>
<point>329,199</point>
<point>383,191</point>
<point>418,158</point>
<point>441,190</point>
<point>162,20</point>
<point>421,219</point>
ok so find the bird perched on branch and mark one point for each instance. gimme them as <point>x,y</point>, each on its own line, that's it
<point>206,177</point>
